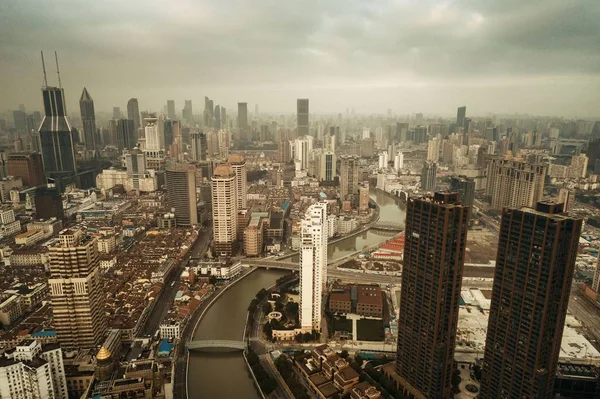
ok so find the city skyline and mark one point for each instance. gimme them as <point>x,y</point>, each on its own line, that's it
<point>370,56</point>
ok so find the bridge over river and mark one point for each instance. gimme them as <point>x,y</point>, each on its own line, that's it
<point>206,345</point>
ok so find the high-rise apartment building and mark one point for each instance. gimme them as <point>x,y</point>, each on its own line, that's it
<point>171,109</point>
<point>349,168</point>
<point>327,166</point>
<point>88,119</point>
<point>399,160</point>
<point>238,164</point>
<point>20,120</point>
<point>363,197</point>
<point>433,149</point>
<point>537,249</point>
<point>187,113</point>
<point>133,112</point>
<point>33,371</point>
<point>56,137</point>
<point>313,265</point>
<point>181,193</point>
<point>429,176</point>
<point>126,134</point>
<point>33,352</point>
<point>596,280</point>
<point>303,151</point>
<point>436,235</point>
<point>384,159</point>
<point>76,290</point>
<point>217,117</point>
<point>567,198</point>
<point>153,132</point>
<point>514,183</point>
<point>465,186</point>
<point>243,121</point>
<point>135,162</point>
<point>224,209</point>
<point>27,166</point>
<point>198,140</point>
<point>578,167</point>
<point>48,203</point>
<point>302,116</point>
<point>461,115</point>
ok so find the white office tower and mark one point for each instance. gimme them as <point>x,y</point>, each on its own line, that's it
<point>152,134</point>
<point>303,148</point>
<point>366,133</point>
<point>383,159</point>
<point>399,160</point>
<point>433,150</point>
<point>33,351</point>
<point>33,371</point>
<point>313,265</point>
<point>238,164</point>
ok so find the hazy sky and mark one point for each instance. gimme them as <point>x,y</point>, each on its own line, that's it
<point>533,56</point>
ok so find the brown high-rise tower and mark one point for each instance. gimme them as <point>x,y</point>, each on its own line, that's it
<point>76,291</point>
<point>436,234</point>
<point>534,271</point>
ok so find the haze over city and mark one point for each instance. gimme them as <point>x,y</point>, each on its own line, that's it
<point>387,199</point>
<point>408,56</point>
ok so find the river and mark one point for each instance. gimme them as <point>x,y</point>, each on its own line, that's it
<point>225,375</point>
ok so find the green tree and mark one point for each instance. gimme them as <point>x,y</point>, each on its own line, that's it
<point>266,307</point>
<point>344,354</point>
<point>268,330</point>
<point>477,372</point>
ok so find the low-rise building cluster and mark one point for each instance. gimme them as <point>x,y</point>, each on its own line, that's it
<point>328,375</point>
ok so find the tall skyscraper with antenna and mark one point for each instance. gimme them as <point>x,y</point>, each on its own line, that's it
<point>88,119</point>
<point>56,135</point>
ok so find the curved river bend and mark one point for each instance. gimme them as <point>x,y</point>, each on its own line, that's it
<point>224,375</point>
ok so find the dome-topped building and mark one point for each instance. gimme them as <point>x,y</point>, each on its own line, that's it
<point>104,364</point>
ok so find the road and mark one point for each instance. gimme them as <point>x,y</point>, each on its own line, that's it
<point>197,250</point>
<point>587,313</point>
<point>164,301</point>
<point>282,391</point>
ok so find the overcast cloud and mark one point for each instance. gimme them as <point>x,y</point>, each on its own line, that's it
<point>532,56</point>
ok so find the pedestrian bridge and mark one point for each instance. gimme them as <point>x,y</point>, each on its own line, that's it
<point>387,226</point>
<point>209,344</point>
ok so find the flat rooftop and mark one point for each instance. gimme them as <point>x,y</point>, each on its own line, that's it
<point>473,323</point>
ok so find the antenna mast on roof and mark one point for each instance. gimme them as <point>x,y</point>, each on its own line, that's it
<point>57,70</point>
<point>44,69</point>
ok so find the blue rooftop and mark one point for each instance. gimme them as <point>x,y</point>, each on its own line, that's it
<point>165,348</point>
<point>322,195</point>
<point>285,205</point>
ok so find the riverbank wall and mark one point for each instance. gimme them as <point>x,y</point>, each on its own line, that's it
<point>262,395</point>
<point>201,316</point>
